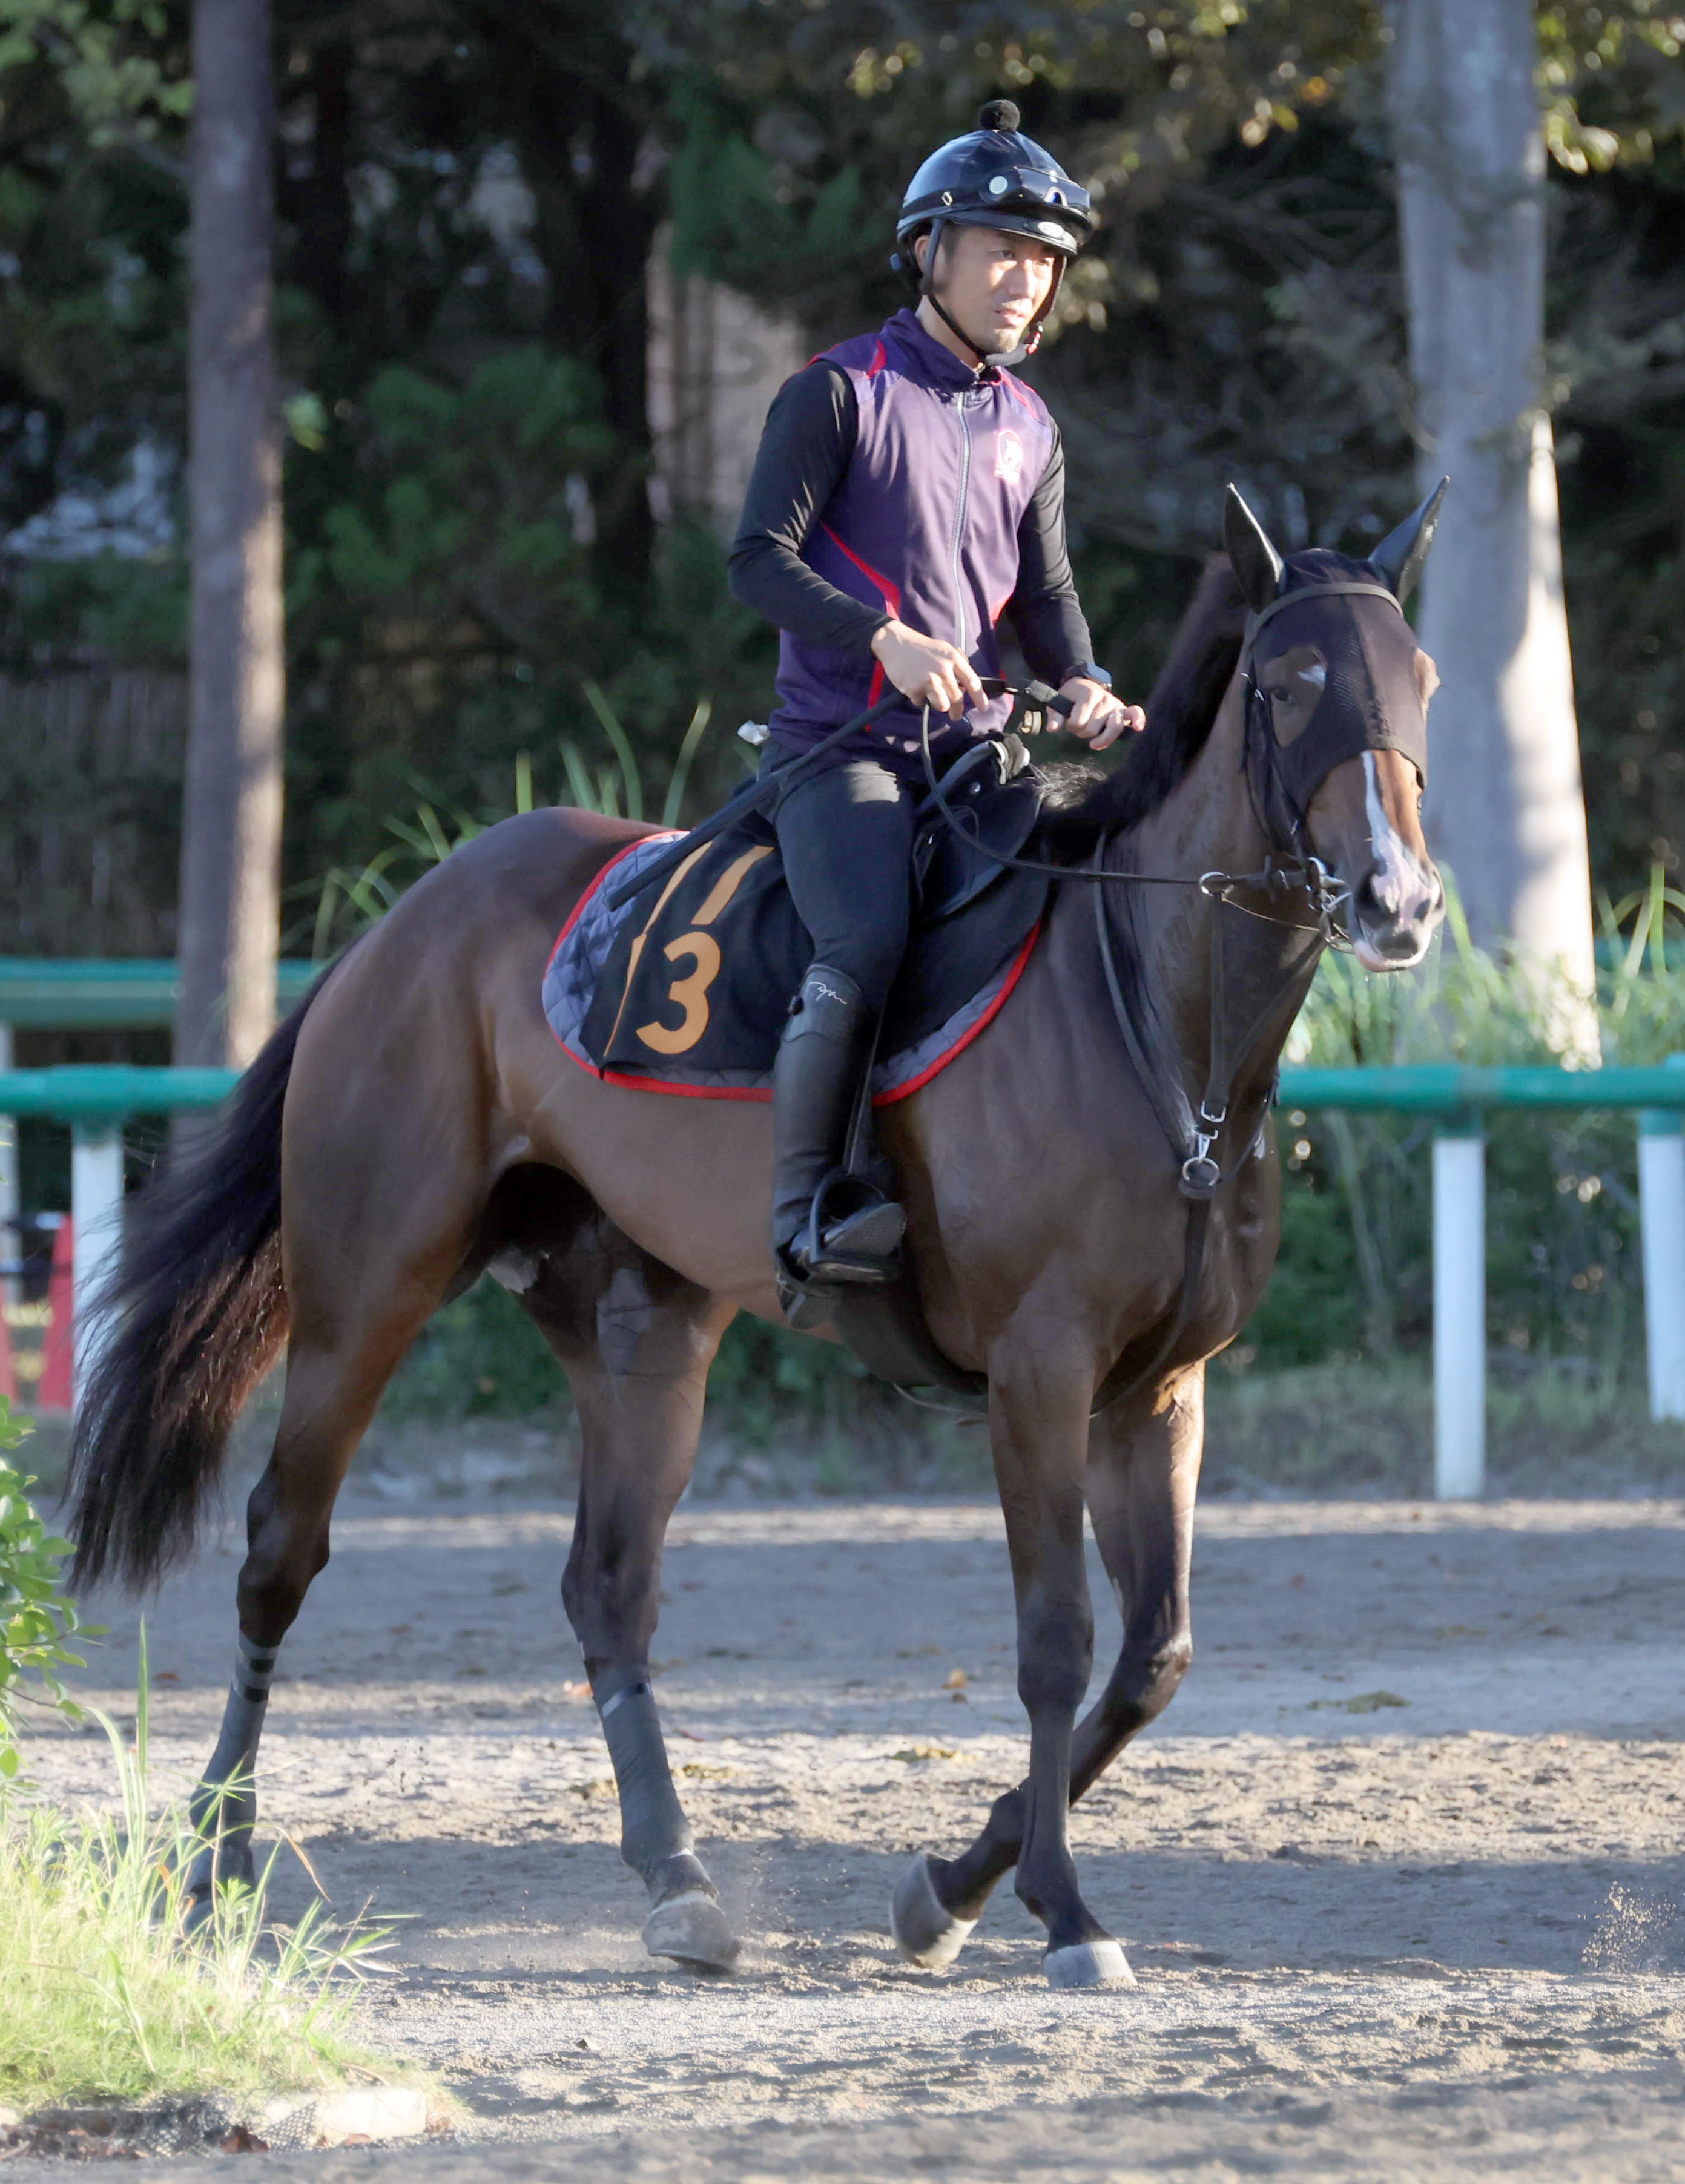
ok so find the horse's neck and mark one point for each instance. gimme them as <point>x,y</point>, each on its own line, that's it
<point>1209,824</point>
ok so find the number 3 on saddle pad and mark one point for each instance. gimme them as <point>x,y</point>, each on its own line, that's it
<point>689,993</point>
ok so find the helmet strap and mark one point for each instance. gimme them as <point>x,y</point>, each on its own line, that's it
<point>927,290</point>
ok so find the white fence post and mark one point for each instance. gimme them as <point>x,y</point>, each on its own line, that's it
<point>96,1211</point>
<point>1459,1312</point>
<point>1661,1205</point>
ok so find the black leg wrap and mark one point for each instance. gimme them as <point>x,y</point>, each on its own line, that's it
<point>224,1808</point>
<point>655,1838</point>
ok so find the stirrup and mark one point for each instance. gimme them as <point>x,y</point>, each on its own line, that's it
<point>858,1244</point>
<point>857,1249</point>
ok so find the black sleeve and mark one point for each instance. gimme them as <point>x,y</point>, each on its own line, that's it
<point>805,448</point>
<point>1045,610</point>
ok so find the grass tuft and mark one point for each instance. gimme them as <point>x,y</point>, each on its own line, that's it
<point>106,1998</point>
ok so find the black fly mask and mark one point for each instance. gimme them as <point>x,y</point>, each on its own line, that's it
<point>1344,621</point>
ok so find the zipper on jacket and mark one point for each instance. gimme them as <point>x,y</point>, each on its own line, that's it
<point>959,515</point>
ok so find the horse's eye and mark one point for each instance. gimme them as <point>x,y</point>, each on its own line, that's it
<point>1279,694</point>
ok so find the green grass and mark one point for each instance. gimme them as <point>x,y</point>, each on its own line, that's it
<point>104,1997</point>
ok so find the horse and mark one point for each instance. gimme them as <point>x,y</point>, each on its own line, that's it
<point>413,1124</point>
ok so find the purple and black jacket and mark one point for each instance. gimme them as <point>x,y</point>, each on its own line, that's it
<point>894,481</point>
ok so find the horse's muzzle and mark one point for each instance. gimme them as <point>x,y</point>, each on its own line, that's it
<point>1393,910</point>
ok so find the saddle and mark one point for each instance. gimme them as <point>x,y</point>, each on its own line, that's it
<point>685,988</point>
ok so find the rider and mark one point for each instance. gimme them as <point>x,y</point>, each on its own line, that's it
<point>907,492</point>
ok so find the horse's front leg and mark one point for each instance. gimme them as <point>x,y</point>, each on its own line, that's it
<point>1144,1455</point>
<point>1039,1393</point>
<point>637,1353</point>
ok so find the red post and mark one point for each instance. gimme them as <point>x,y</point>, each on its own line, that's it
<point>57,1390</point>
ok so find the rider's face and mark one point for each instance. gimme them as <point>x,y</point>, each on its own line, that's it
<point>993,281</point>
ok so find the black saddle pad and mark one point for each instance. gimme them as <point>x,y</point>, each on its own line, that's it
<point>686,987</point>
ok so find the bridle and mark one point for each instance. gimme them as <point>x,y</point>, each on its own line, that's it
<point>1291,866</point>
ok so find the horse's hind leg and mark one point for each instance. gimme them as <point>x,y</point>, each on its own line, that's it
<point>1143,1470</point>
<point>366,1267</point>
<point>637,1341</point>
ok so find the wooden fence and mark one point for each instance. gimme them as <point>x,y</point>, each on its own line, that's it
<point>91,764</point>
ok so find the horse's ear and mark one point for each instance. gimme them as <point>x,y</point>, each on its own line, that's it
<point>1256,562</point>
<point>1400,554</point>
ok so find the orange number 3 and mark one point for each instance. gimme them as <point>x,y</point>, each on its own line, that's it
<point>689,993</point>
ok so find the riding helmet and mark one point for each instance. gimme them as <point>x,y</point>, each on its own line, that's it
<point>994,176</point>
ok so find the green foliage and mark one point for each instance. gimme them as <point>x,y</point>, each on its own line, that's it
<point>480,1358</point>
<point>483,1357</point>
<point>104,1997</point>
<point>459,504</point>
<point>36,1621</point>
<point>107,58</point>
<point>734,219</point>
<point>766,1379</point>
<point>346,902</point>
<point>116,606</point>
<point>1613,89</point>
<point>1564,1272</point>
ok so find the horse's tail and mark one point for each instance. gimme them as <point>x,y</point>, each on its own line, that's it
<point>193,1316</point>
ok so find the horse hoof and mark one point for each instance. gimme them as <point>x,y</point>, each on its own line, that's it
<point>217,1866</point>
<point>1089,1963</point>
<point>691,1927</point>
<point>926,1932</point>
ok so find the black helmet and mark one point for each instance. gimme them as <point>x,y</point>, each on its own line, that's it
<point>993,177</point>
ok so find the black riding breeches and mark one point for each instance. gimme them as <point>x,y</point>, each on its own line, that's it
<point>845,836</point>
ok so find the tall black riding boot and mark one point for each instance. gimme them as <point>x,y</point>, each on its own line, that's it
<point>826,1049</point>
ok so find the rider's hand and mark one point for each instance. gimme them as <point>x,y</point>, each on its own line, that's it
<point>1097,715</point>
<point>926,669</point>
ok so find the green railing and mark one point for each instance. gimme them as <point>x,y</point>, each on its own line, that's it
<point>83,1092</point>
<point>40,993</point>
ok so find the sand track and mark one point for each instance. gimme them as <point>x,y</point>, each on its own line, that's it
<point>1426,1939</point>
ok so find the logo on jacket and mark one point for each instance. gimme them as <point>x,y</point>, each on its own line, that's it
<point>1008,454</point>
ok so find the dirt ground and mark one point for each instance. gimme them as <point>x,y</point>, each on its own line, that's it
<point>1401,1871</point>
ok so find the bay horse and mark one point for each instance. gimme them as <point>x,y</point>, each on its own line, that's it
<point>414,1123</point>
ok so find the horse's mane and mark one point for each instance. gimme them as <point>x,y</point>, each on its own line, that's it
<point>1084,803</point>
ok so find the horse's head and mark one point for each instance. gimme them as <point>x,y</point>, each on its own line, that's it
<point>1338,691</point>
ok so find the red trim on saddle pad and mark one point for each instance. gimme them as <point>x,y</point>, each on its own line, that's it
<point>918,1083</point>
<point>675,1091</point>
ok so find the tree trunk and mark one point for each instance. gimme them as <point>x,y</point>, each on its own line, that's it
<point>231,836</point>
<point>618,220</point>
<point>1505,807</point>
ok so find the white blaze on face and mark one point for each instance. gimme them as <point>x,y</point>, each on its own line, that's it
<point>1398,879</point>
